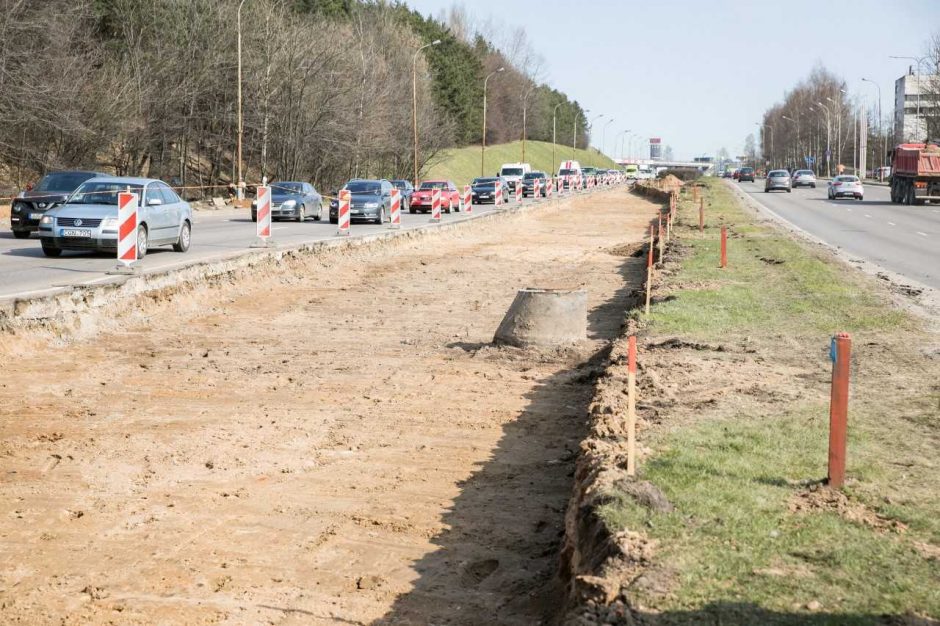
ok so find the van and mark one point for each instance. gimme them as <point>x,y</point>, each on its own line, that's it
<point>631,170</point>
<point>513,173</point>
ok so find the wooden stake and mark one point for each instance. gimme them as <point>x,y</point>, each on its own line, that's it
<point>660,231</point>
<point>631,407</point>
<point>724,246</point>
<point>701,215</point>
<point>649,272</point>
<point>840,352</point>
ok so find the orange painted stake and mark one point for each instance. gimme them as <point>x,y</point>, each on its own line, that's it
<point>631,406</point>
<point>660,231</point>
<point>724,246</point>
<point>701,215</point>
<point>840,354</point>
<point>649,272</point>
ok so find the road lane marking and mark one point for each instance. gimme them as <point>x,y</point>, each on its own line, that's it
<point>867,215</point>
<point>892,224</point>
<point>922,234</point>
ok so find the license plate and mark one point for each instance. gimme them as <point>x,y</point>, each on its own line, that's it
<point>76,233</point>
<point>484,195</point>
<point>35,216</point>
<point>356,212</point>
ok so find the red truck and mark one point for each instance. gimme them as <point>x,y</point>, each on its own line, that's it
<point>915,174</point>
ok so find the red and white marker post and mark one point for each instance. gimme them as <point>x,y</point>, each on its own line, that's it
<point>467,199</point>
<point>497,195</point>
<point>262,217</point>
<point>395,221</point>
<point>127,230</point>
<point>342,212</point>
<point>435,205</point>
<point>519,192</point>
<point>549,185</point>
<point>536,188</point>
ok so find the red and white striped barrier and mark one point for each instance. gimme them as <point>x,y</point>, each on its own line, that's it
<point>519,192</point>
<point>127,228</point>
<point>549,185</point>
<point>497,195</point>
<point>467,199</point>
<point>435,205</point>
<point>395,221</point>
<point>342,212</point>
<point>263,212</point>
<point>536,188</point>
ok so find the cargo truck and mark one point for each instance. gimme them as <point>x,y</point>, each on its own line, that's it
<point>915,173</point>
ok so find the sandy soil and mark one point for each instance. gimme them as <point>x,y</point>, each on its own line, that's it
<point>338,445</point>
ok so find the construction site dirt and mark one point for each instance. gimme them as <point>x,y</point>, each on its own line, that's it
<point>335,441</point>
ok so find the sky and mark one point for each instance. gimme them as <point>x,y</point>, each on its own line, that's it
<point>701,74</point>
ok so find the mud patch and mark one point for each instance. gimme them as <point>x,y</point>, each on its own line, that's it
<point>823,499</point>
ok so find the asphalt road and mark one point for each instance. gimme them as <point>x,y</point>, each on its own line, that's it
<point>899,238</point>
<point>24,270</point>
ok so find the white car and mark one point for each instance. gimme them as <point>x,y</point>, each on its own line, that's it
<point>846,186</point>
<point>804,178</point>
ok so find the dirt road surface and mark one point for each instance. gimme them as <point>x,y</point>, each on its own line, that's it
<point>335,443</point>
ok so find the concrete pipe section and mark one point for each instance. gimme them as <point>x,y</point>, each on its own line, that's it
<point>544,317</point>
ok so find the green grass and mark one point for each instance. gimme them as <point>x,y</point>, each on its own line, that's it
<point>735,551</point>
<point>462,165</point>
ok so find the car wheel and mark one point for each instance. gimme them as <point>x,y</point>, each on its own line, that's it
<point>21,234</point>
<point>186,235</point>
<point>380,219</point>
<point>141,241</point>
<point>51,251</point>
<point>302,213</point>
<point>813,185</point>
<point>319,215</point>
<point>788,190</point>
<point>412,210</point>
<point>334,220</point>
<point>254,216</point>
<point>449,208</point>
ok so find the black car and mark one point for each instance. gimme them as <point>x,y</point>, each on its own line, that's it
<point>484,189</point>
<point>528,184</point>
<point>746,174</point>
<point>370,199</point>
<point>51,191</point>
<point>292,200</point>
<point>406,189</point>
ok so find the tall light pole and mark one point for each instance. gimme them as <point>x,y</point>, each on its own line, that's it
<point>414,99</point>
<point>884,138</point>
<point>239,190</point>
<point>554,136</point>
<point>828,140</point>
<point>574,140</point>
<point>483,143</point>
<point>604,134</point>
<point>763,126</point>
<point>621,136</point>
<point>590,127</point>
<point>525,99</point>
<point>796,152</point>
<point>838,124</point>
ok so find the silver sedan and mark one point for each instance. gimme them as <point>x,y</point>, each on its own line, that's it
<point>777,179</point>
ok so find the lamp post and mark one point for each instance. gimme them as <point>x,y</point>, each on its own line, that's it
<point>414,99</point>
<point>554,136</point>
<point>796,151</point>
<point>621,135</point>
<point>590,127</point>
<point>483,143</point>
<point>763,126</point>
<point>838,125</point>
<point>525,99</point>
<point>239,190</point>
<point>574,141</point>
<point>884,139</point>
<point>828,140</point>
<point>604,134</point>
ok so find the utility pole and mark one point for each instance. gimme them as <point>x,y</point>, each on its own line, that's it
<point>240,186</point>
<point>884,138</point>
<point>828,140</point>
<point>554,135</point>
<point>604,135</point>
<point>525,99</point>
<point>414,99</point>
<point>483,142</point>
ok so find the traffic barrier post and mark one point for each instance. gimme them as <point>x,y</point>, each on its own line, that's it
<point>549,187</point>
<point>536,188</point>
<point>840,353</point>
<point>395,217</point>
<point>649,272</point>
<point>631,405</point>
<point>467,199</point>
<point>263,217</point>
<point>701,215</point>
<point>518,192</point>
<point>435,205</point>
<point>724,246</point>
<point>342,212</point>
<point>497,196</point>
<point>127,233</point>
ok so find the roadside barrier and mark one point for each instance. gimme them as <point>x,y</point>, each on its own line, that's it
<point>840,351</point>
<point>536,189</point>
<point>343,212</point>
<point>519,192</point>
<point>435,205</point>
<point>497,196</point>
<point>395,221</point>
<point>724,247</point>
<point>467,199</point>
<point>631,406</point>
<point>262,217</point>
<point>127,229</point>
<point>549,185</point>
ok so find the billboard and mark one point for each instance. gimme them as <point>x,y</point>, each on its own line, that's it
<point>656,148</point>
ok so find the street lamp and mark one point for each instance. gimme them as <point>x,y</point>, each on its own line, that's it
<point>483,145</point>
<point>525,99</point>
<point>554,119</point>
<point>828,140</point>
<point>590,127</point>
<point>604,134</point>
<point>763,126</point>
<point>574,141</point>
<point>414,99</point>
<point>622,135</point>
<point>239,191</point>
<point>796,151</point>
<point>884,138</point>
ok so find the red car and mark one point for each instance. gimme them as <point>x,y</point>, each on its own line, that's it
<point>421,198</point>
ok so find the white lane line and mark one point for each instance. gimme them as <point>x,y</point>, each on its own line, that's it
<point>892,224</point>
<point>867,215</point>
<point>280,228</point>
<point>849,210</point>
<point>922,234</point>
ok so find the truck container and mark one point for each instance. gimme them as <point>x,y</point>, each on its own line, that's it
<point>915,175</point>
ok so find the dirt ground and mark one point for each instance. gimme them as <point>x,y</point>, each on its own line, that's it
<point>339,444</point>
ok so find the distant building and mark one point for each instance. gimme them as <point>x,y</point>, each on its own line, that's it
<point>912,104</point>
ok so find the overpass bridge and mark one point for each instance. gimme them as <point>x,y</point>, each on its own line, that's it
<point>699,166</point>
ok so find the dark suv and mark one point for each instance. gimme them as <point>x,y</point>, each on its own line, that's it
<point>528,184</point>
<point>746,173</point>
<point>51,191</point>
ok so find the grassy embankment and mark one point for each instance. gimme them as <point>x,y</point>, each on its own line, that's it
<point>462,165</point>
<point>754,537</point>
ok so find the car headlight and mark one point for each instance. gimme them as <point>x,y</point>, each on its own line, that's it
<point>18,206</point>
<point>289,204</point>
<point>45,219</point>
<point>371,205</point>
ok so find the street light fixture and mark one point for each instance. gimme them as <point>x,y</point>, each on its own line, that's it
<point>763,126</point>
<point>574,141</point>
<point>483,143</point>
<point>884,138</point>
<point>828,140</point>
<point>604,134</point>
<point>554,137</point>
<point>414,99</point>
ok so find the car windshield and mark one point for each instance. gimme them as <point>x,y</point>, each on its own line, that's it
<point>804,173</point>
<point>287,187</point>
<point>433,184</point>
<point>64,182</point>
<point>363,186</point>
<point>567,172</point>
<point>401,184</point>
<point>511,171</point>
<point>484,181</point>
<point>103,192</point>
<point>532,175</point>
<point>778,174</point>
<point>847,179</point>
<point>747,170</point>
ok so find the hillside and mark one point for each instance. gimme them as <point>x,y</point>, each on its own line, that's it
<point>461,165</point>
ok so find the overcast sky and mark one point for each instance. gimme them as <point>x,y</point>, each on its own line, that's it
<point>700,74</point>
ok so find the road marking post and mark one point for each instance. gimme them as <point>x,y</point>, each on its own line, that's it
<point>395,221</point>
<point>497,195</point>
<point>724,246</point>
<point>649,272</point>
<point>435,205</point>
<point>263,218</point>
<point>701,215</point>
<point>467,199</point>
<point>631,406</point>
<point>127,233</point>
<point>536,189</point>
<point>840,352</point>
<point>342,212</point>
<point>518,192</point>
<point>549,187</point>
